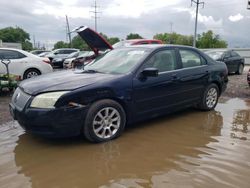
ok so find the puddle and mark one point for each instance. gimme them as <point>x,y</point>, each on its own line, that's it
<point>188,149</point>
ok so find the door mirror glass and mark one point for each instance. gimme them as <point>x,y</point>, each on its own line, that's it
<point>150,72</point>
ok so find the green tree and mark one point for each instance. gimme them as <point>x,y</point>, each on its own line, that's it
<point>78,43</point>
<point>164,37</point>
<point>174,38</point>
<point>210,40</point>
<point>27,45</point>
<point>61,44</point>
<point>133,36</point>
<point>113,40</point>
<point>11,34</point>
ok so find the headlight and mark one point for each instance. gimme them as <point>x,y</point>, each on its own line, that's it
<point>46,100</point>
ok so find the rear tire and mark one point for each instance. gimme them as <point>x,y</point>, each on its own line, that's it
<point>105,120</point>
<point>240,69</point>
<point>210,98</point>
<point>30,73</point>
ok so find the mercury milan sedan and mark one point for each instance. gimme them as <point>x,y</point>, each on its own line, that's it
<point>124,86</point>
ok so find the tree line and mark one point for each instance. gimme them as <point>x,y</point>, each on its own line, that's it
<point>205,40</point>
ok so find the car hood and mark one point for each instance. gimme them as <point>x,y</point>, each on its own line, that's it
<point>62,81</point>
<point>95,41</point>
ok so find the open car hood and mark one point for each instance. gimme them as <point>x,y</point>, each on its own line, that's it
<point>94,40</point>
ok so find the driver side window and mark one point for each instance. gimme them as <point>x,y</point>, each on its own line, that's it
<point>164,60</point>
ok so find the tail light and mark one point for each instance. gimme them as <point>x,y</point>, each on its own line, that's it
<point>46,60</point>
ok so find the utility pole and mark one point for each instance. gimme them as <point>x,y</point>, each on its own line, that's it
<point>95,14</point>
<point>198,3</point>
<point>68,31</point>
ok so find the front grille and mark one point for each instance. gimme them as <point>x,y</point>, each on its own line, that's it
<point>20,99</point>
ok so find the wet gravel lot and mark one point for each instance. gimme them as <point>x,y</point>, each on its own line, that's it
<point>185,149</point>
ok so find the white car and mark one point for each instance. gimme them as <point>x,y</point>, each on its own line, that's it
<point>24,64</point>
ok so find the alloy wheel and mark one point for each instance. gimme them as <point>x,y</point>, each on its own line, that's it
<point>106,122</point>
<point>32,74</point>
<point>211,98</point>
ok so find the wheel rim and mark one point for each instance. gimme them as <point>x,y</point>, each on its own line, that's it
<point>212,96</point>
<point>32,74</point>
<point>106,122</point>
<point>241,69</point>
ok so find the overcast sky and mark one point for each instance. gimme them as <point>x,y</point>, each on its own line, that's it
<point>45,19</point>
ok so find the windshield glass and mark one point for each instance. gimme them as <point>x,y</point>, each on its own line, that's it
<point>118,61</point>
<point>215,54</point>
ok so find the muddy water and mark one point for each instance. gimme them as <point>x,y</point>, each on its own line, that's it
<point>188,149</point>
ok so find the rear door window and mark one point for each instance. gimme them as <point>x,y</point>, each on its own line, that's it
<point>190,58</point>
<point>9,54</point>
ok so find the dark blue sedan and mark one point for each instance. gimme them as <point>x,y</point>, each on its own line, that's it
<point>125,85</point>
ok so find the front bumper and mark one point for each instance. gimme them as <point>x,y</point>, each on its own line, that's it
<point>62,122</point>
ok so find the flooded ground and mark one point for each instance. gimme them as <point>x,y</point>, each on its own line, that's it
<point>188,149</point>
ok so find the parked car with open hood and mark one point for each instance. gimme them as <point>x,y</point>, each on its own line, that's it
<point>124,86</point>
<point>235,63</point>
<point>24,64</point>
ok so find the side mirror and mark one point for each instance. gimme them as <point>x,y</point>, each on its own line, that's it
<point>150,72</point>
<point>56,53</point>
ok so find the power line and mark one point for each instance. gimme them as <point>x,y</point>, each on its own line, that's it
<point>198,3</point>
<point>95,14</point>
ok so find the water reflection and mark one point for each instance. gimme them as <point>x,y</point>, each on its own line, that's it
<point>144,150</point>
<point>189,149</point>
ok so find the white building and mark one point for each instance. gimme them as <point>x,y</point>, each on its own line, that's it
<point>10,45</point>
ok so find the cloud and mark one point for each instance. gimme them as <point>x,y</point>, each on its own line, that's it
<point>135,8</point>
<point>68,8</point>
<point>236,17</point>
<point>208,21</point>
<point>45,19</point>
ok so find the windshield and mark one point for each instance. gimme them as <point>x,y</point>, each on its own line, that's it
<point>215,54</point>
<point>118,61</point>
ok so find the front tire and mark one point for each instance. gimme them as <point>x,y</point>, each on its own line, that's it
<point>210,98</point>
<point>105,120</point>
